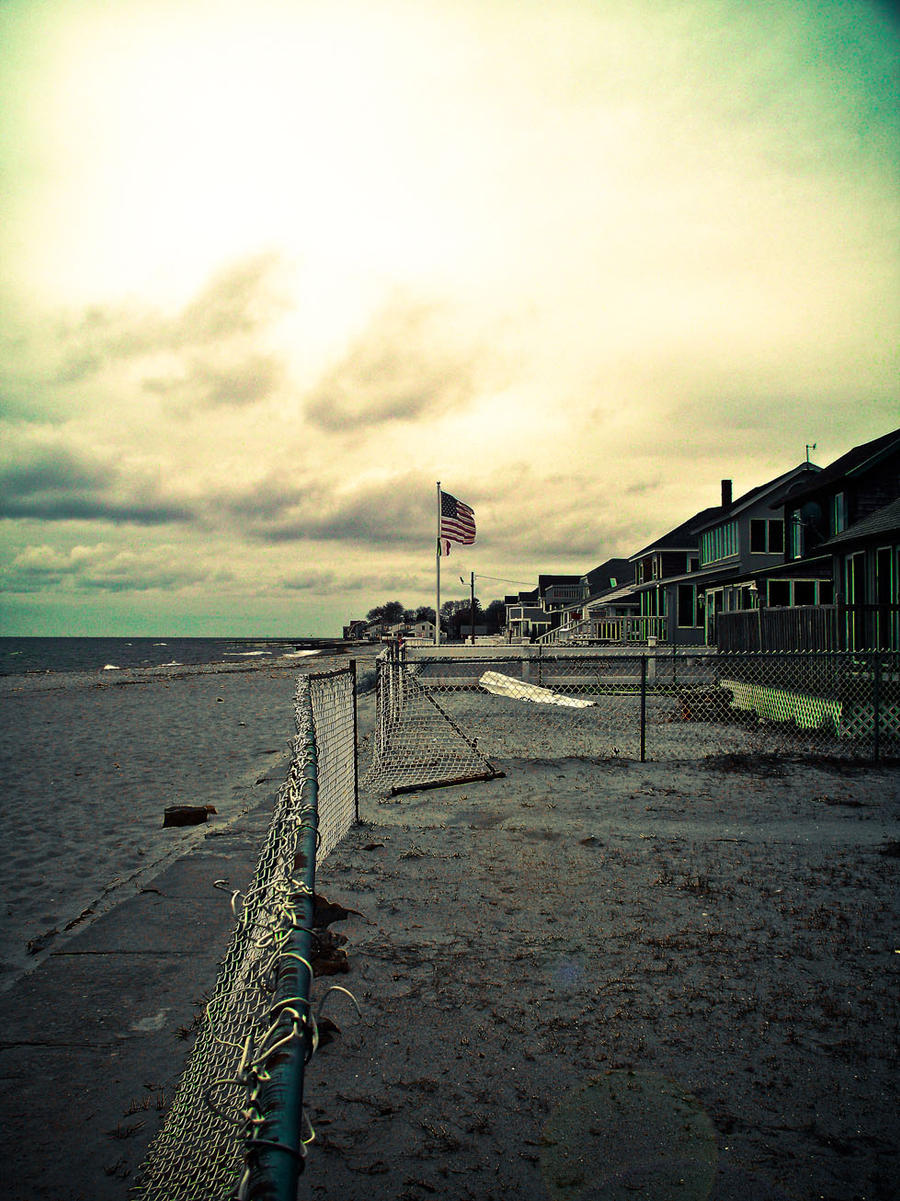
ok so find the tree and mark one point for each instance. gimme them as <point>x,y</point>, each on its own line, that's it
<point>425,613</point>
<point>390,614</point>
<point>495,616</point>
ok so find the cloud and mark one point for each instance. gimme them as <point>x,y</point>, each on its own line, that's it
<point>102,567</point>
<point>230,379</point>
<point>45,479</point>
<point>210,351</point>
<point>395,512</point>
<point>239,300</point>
<point>401,368</point>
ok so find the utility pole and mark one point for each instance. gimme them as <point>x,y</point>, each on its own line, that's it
<point>471,606</point>
<point>472,603</point>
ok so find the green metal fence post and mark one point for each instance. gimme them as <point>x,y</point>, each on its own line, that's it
<point>643,708</point>
<point>278,1147</point>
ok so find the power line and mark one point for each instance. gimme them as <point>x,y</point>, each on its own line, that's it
<point>501,579</point>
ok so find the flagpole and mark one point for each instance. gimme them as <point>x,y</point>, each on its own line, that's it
<point>437,572</point>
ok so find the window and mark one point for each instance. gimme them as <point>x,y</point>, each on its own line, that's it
<point>804,592</point>
<point>766,537</point>
<point>779,592</point>
<point>720,543</point>
<point>839,512</point>
<point>796,535</point>
<point>687,605</point>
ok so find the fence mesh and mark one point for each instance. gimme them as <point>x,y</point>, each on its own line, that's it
<point>417,742</point>
<point>201,1151</point>
<point>657,704</point>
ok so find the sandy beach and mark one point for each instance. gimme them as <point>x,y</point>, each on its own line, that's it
<point>606,979</point>
<point>89,763</point>
<point>590,978</point>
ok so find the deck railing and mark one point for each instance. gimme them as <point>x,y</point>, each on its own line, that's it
<point>810,628</point>
<point>593,631</point>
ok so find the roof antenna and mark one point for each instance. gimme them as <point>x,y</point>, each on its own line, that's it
<point>809,446</point>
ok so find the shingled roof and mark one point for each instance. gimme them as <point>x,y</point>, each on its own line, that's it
<point>883,521</point>
<point>855,462</point>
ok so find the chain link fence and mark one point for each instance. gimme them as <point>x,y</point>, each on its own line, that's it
<point>445,708</point>
<point>234,1127</point>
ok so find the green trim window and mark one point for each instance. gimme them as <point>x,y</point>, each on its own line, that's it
<point>766,537</point>
<point>688,615</point>
<point>796,535</point>
<point>838,512</point>
<point>719,543</point>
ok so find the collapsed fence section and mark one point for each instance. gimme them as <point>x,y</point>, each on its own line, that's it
<point>652,703</point>
<point>234,1127</point>
<point>417,742</point>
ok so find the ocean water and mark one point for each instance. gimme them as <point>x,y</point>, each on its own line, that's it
<point>23,656</point>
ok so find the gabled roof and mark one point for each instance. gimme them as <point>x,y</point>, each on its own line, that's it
<point>855,462</point>
<point>617,596</point>
<point>781,484</point>
<point>883,521</point>
<point>611,574</point>
<point>522,598</point>
<point>547,581</point>
<point>684,536</point>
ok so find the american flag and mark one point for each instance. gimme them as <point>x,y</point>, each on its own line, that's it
<point>457,522</point>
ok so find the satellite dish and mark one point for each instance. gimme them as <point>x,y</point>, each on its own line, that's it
<point>811,515</point>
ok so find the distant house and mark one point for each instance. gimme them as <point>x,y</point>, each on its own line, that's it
<point>744,544</point>
<point>606,597</point>
<point>838,584</point>
<point>526,620</point>
<point>421,630</point>
<point>355,631</point>
<point>866,558</point>
<point>664,583</point>
<point>709,565</point>
<point>533,613</point>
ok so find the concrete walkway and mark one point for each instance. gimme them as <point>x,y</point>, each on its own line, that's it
<point>94,1040</point>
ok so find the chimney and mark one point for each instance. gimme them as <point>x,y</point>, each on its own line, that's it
<point>726,494</point>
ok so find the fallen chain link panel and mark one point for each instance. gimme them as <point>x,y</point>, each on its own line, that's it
<point>417,741</point>
<point>654,703</point>
<point>204,1150</point>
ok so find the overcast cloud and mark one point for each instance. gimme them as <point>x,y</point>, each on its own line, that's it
<point>272,270</point>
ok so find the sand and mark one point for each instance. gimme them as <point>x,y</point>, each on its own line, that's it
<point>607,979</point>
<point>89,763</point>
<point>592,978</point>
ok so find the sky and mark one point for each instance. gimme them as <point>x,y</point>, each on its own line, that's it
<point>270,270</point>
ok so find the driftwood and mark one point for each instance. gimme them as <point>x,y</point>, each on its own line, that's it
<point>187,815</point>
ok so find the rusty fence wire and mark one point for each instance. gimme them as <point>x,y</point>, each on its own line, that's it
<point>234,1130</point>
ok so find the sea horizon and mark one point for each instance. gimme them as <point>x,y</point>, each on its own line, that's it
<point>42,653</point>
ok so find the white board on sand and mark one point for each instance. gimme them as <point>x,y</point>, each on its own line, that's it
<point>500,685</point>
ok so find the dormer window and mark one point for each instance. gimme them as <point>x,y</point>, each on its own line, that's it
<point>839,512</point>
